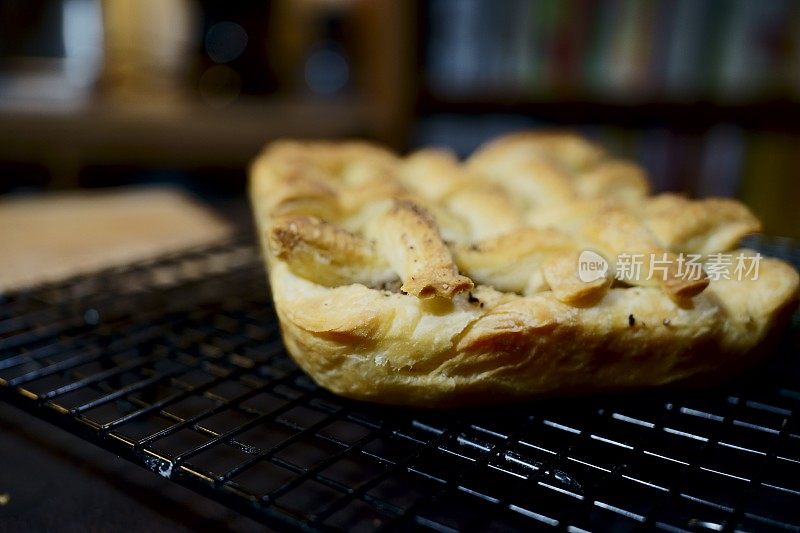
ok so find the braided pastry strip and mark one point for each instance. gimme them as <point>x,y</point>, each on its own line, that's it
<point>427,281</point>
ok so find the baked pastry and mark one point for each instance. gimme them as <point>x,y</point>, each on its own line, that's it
<point>433,282</point>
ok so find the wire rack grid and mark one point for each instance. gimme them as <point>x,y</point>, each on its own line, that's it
<point>177,365</point>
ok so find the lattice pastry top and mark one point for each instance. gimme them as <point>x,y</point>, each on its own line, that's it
<point>538,265</point>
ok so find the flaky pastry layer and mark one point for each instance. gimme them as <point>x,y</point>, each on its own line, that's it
<point>433,282</point>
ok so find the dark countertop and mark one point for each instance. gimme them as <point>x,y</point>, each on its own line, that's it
<point>51,480</point>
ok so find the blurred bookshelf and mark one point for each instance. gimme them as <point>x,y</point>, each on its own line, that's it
<point>704,93</point>
<point>619,51</point>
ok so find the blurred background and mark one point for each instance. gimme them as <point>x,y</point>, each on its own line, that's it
<point>99,93</point>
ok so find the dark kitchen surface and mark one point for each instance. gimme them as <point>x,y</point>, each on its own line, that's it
<point>175,364</point>
<point>51,480</point>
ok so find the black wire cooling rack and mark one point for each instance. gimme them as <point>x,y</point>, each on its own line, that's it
<point>177,365</point>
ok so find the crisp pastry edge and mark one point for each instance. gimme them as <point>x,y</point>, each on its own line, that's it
<point>524,348</point>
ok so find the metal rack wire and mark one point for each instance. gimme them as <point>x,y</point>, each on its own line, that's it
<point>177,365</point>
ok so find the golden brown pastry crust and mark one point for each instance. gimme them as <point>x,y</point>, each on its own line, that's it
<point>409,237</point>
<point>485,253</point>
